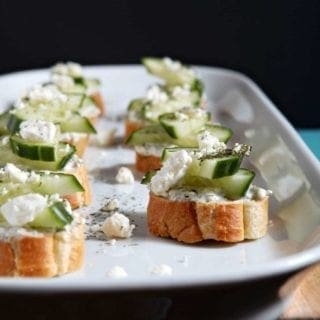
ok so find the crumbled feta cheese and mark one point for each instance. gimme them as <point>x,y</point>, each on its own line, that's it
<point>3,191</point>
<point>90,111</point>
<point>156,94</point>
<point>162,270</point>
<point>257,193</point>
<point>103,138</point>
<point>23,209</point>
<point>171,172</point>
<point>172,64</point>
<point>46,94</point>
<point>125,176</point>
<point>14,174</point>
<point>38,130</point>
<point>117,272</point>
<point>34,177</point>
<point>209,144</point>
<point>118,226</point>
<point>111,205</point>
<point>64,82</point>
<point>201,195</point>
<point>179,92</point>
<point>71,69</point>
<point>72,137</point>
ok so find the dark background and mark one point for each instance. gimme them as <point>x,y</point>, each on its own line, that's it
<point>276,43</point>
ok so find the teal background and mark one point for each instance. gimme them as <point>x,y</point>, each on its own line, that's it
<point>312,138</point>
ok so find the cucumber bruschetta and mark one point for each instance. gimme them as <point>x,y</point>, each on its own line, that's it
<point>181,88</point>
<point>204,194</point>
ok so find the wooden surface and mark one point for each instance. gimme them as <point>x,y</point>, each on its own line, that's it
<point>305,302</point>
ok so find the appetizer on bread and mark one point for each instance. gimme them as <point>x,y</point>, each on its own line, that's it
<point>179,128</point>
<point>39,233</point>
<point>202,193</point>
<point>70,78</point>
<point>181,88</point>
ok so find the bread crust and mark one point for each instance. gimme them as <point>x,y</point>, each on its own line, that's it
<point>190,222</point>
<point>98,100</point>
<point>48,254</point>
<point>131,126</point>
<point>147,163</point>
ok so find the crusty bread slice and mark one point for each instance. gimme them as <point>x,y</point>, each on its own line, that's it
<point>29,253</point>
<point>84,198</point>
<point>130,127</point>
<point>98,100</point>
<point>147,163</point>
<point>190,222</point>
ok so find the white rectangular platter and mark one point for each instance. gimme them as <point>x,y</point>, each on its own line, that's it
<point>282,161</point>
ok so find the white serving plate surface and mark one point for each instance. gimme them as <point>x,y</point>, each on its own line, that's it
<point>283,162</point>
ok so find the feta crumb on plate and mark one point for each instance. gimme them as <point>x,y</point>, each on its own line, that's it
<point>125,176</point>
<point>162,270</point>
<point>117,272</point>
<point>118,226</point>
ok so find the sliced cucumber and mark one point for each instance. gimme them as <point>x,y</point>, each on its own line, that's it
<point>57,182</point>
<point>222,133</point>
<point>179,128</point>
<point>149,134</point>
<point>217,167</point>
<point>55,216</point>
<point>4,117</point>
<point>70,121</point>
<point>33,150</point>
<point>51,183</point>
<point>233,187</point>
<point>173,76</point>
<point>63,154</point>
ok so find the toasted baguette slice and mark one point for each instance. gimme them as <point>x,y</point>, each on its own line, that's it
<point>147,163</point>
<point>98,100</point>
<point>28,253</point>
<point>131,126</point>
<point>190,222</point>
<point>84,198</point>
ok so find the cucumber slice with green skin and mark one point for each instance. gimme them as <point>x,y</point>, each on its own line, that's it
<point>222,133</point>
<point>69,121</point>
<point>33,150</point>
<point>180,129</point>
<point>149,134</point>
<point>159,68</point>
<point>217,167</point>
<point>58,182</point>
<point>233,187</point>
<point>52,183</point>
<point>63,154</point>
<point>147,177</point>
<point>55,216</point>
<point>4,117</point>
